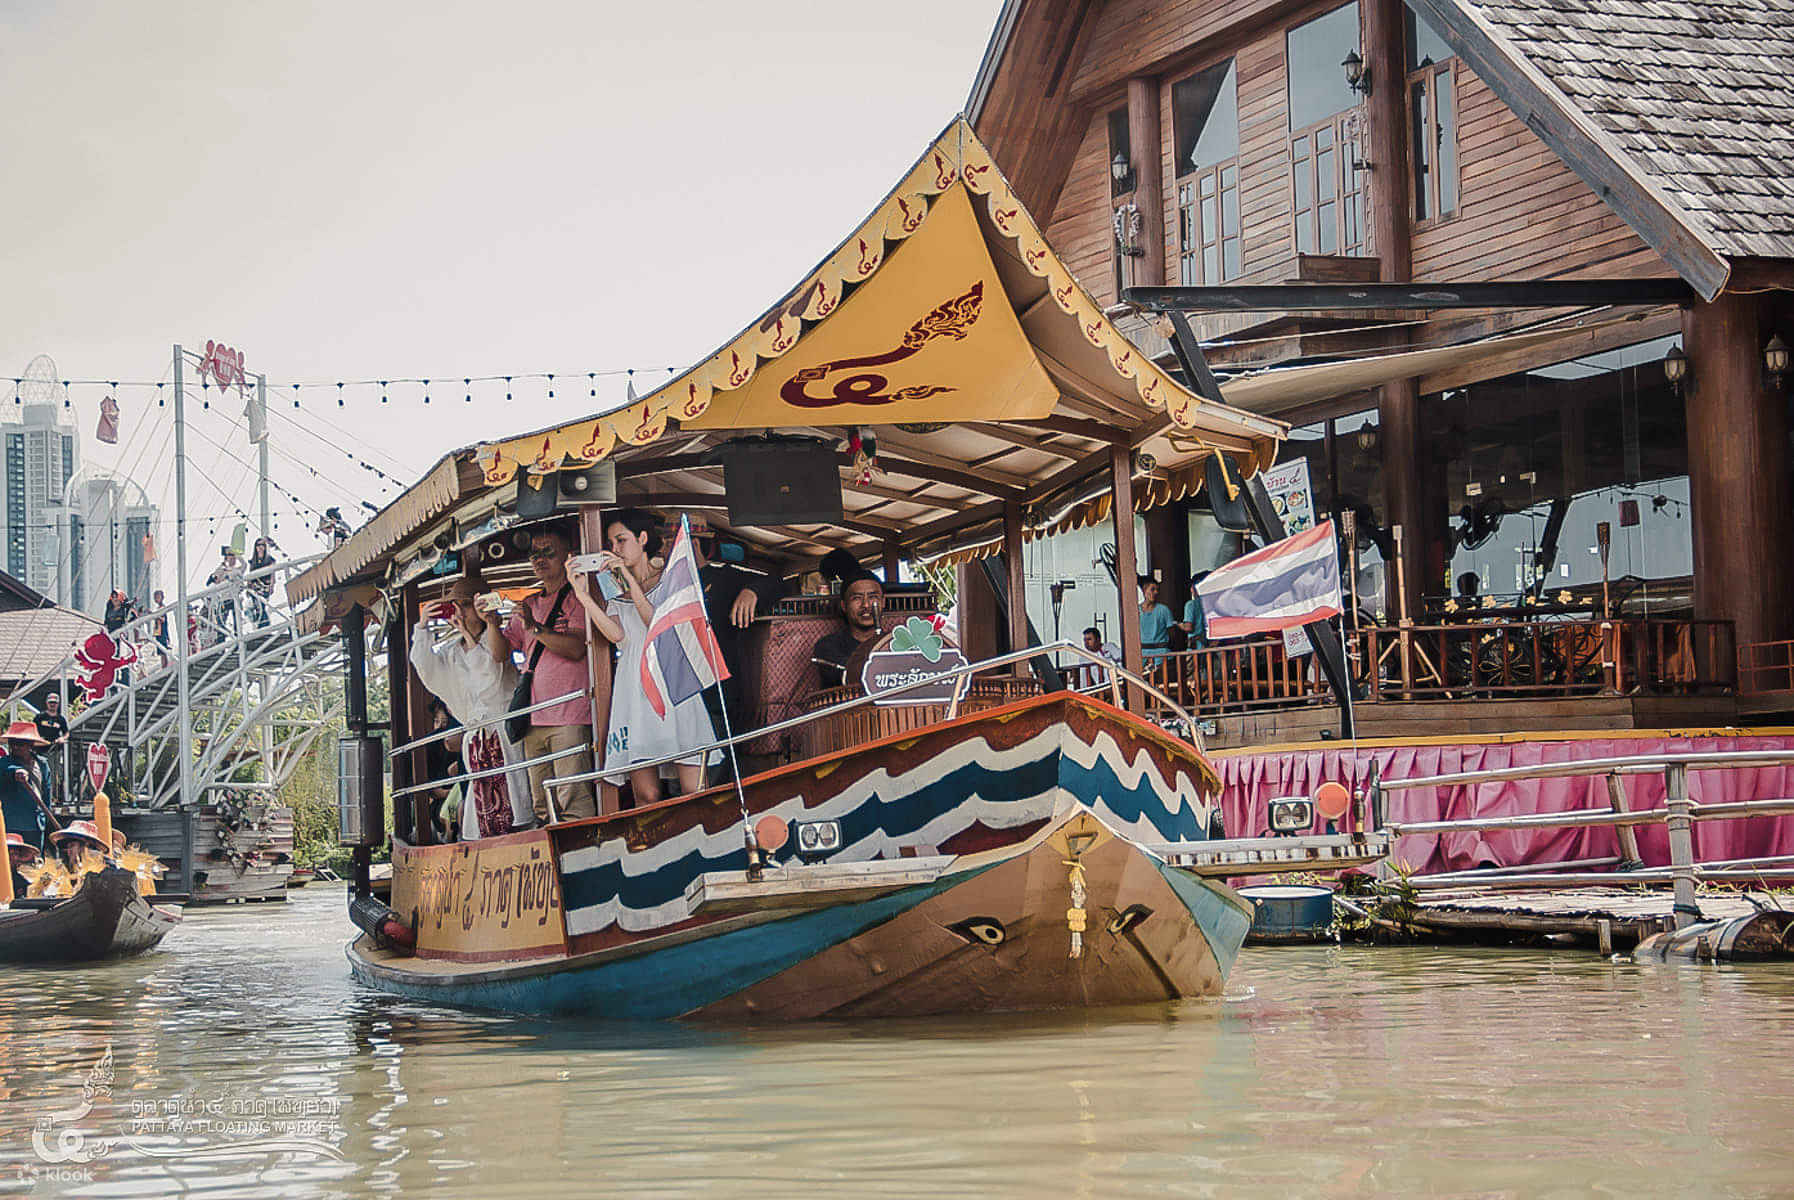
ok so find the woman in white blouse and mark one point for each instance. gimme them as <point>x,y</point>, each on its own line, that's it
<point>473,673</point>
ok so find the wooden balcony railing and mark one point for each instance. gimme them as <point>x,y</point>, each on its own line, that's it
<point>1467,660</point>
<point>1765,667</point>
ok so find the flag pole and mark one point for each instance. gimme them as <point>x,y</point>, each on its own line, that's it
<point>754,863</point>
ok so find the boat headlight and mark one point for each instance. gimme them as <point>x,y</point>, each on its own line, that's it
<point>816,838</point>
<point>1291,814</point>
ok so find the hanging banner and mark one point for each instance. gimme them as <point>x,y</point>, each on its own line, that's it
<point>1291,496</point>
<point>108,429</point>
<point>255,411</point>
<point>99,765</point>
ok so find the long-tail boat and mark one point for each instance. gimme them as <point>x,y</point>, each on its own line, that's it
<point>1009,842</point>
<point>107,917</point>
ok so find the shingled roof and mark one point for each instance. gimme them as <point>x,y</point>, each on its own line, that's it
<point>1680,114</point>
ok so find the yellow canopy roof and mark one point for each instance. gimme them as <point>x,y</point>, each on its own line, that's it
<point>946,305</point>
<point>944,324</point>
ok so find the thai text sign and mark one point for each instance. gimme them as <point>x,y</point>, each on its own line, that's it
<point>491,900</point>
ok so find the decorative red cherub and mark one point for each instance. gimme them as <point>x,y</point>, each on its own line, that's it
<point>98,663</point>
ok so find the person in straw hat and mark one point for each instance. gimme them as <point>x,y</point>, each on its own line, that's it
<point>24,784</point>
<point>18,854</point>
<point>77,839</point>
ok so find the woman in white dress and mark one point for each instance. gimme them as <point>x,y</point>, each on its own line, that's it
<point>474,675</point>
<point>637,733</point>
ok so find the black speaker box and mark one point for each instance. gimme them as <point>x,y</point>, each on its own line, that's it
<point>781,482</point>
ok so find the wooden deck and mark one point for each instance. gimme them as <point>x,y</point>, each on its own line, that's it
<point>1628,914</point>
<point>1473,718</point>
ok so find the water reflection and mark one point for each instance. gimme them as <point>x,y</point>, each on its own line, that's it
<point>1326,1070</point>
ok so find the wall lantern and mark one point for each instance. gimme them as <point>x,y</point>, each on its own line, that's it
<point>1357,75</point>
<point>1122,172</point>
<point>1675,368</point>
<point>1775,358</point>
<point>1366,437</point>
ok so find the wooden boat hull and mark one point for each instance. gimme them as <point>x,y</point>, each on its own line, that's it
<point>105,918</point>
<point>989,933</point>
<point>650,914</point>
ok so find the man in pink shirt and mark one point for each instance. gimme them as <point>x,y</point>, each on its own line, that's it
<point>560,669</point>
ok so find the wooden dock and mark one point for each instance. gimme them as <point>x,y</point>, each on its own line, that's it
<point>1604,917</point>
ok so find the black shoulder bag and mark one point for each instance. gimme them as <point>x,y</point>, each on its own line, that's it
<point>517,722</point>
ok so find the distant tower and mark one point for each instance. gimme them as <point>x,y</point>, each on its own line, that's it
<point>42,453</point>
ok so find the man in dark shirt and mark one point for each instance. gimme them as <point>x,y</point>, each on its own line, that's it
<point>733,598</point>
<point>53,727</point>
<point>862,600</point>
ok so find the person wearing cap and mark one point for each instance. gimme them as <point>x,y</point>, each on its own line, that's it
<point>24,784</point>
<point>53,727</point>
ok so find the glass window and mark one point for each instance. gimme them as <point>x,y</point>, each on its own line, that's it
<point>1425,46</point>
<point>1205,115</point>
<point>1535,461</point>
<point>1317,86</point>
<point>1446,138</point>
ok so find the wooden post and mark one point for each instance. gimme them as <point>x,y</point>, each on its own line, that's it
<point>598,682</point>
<point>1016,579</point>
<point>1681,843</point>
<point>1738,473</point>
<point>1406,636</point>
<point>1149,192</point>
<point>408,701</point>
<point>6,893</point>
<point>893,561</point>
<point>1604,936</point>
<point>1127,568</point>
<point>1630,859</point>
<point>1398,403</point>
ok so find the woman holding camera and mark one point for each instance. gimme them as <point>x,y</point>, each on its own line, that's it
<point>629,574</point>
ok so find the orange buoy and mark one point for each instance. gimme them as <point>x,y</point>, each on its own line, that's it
<point>1331,800</point>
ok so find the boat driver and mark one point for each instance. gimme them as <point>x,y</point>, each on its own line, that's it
<point>861,600</point>
<point>24,784</point>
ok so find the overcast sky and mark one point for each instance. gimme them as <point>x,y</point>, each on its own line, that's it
<point>365,191</point>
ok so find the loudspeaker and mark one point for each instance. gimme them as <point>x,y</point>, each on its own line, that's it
<point>1226,489</point>
<point>537,495</point>
<point>793,481</point>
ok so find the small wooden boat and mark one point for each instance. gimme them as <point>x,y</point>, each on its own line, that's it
<point>106,918</point>
<point>300,877</point>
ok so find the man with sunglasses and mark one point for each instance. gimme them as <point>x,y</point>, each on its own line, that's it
<point>549,630</point>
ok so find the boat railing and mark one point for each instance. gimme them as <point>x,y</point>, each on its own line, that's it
<point>1118,678</point>
<point>485,773</point>
<point>1678,814</point>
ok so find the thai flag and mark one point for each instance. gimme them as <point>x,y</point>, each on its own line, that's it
<point>681,658</point>
<point>1287,584</point>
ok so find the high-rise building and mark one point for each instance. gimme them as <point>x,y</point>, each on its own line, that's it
<point>108,529</point>
<point>42,453</point>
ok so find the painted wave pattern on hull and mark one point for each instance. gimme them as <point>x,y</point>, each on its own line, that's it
<point>969,783</point>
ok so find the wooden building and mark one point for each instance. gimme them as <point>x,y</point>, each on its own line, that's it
<point>1219,143</point>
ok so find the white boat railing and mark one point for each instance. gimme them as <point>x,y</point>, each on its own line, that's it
<point>961,675</point>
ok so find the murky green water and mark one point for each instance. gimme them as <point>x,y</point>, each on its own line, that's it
<point>1324,1072</point>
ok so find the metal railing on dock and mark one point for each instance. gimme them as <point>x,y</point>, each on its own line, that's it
<point>1678,815</point>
